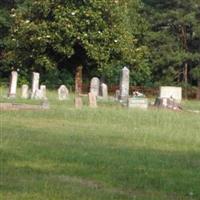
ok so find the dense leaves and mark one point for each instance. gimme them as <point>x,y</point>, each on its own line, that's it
<point>60,35</point>
<point>174,38</point>
<point>158,40</point>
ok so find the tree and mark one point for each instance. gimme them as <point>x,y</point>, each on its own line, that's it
<point>173,39</point>
<point>50,36</point>
<point>196,75</point>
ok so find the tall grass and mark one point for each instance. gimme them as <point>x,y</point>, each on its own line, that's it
<point>105,153</point>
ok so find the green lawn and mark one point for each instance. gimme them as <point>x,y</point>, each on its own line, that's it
<point>108,153</point>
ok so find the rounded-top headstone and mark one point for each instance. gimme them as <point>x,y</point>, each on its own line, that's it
<point>63,93</point>
<point>104,91</point>
<point>95,86</point>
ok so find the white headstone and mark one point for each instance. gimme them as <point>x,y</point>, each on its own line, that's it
<point>95,86</point>
<point>63,93</point>
<point>35,84</point>
<point>43,91</point>
<point>25,92</point>
<point>171,92</point>
<point>13,85</point>
<point>104,91</point>
<point>124,84</point>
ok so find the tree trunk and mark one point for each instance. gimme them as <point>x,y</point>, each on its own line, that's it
<point>185,77</point>
<point>78,80</point>
<point>183,38</point>
<point>198,89</point>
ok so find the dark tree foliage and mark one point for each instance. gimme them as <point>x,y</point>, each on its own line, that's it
<point>174,39</point>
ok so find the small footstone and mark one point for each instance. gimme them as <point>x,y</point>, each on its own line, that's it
<point>78,102</point>
<point>92,100</point>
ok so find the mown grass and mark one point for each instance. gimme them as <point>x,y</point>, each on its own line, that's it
<point>104,153</point>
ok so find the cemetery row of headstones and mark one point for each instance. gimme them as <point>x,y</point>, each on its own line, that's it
<point>38,91</point>
<point>169,97</point>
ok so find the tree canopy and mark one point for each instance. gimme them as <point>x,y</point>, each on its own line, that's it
<point>158,40</point>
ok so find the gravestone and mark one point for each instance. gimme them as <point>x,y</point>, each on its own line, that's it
<point>92,100</point>
<point>168,103</point>
<point>63,93</point>
<point>38,94</point>
<point>78,102</point>
<point>95,86</point>
<point>124,84</point>
<point>43,90</point>
<point>25,92</point>
<point>13,85</point>
<point>171,92</point>
<point>35,85</point>
<point>138,102</point>
<point>104,91</point>
<point>78,80</point>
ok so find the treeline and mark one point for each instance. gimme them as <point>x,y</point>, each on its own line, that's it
<point>158,40</point>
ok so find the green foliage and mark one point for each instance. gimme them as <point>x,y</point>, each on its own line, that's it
<point>158,40</point>
<point>196,73</point>
<point>173,38</point>
<point>48,34</point>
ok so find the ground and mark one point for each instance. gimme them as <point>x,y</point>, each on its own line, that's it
<point>99,154</point>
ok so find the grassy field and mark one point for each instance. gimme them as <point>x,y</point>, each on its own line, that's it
<point>108,153</point>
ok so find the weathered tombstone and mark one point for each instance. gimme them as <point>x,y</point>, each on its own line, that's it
<point>13,85</point>
<point>104,91</point>
<point>78,80</point>
<point>124,84</point>
<point>63,93</point>
<point>38,94</point>
<point>169,103</point>
<point>43,92</point>
<point>95,86</point>
<point>92,100</point>
<point>25,92</point>
<point>35,84</point>
<point>171,92</point>
<point>78,102</point>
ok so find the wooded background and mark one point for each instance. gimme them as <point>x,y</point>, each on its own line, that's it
<point>159,41</point>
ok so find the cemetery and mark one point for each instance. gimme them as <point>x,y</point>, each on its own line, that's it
<point>99,100</point>
<point>64,138</point>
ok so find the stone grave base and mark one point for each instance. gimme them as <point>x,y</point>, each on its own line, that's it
<point>137,102</point>
<point>168,103</point>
